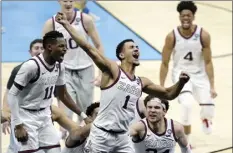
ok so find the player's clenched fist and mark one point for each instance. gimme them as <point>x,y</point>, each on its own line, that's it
<point>184,77</point>
<point>20,133</point>
<point>61,18</point>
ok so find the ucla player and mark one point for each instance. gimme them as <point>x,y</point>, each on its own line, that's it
<point>190,46</point>
<point>79,66</point>
<point>120,90</point>
<point>30,97</point>
<point>155,133</point>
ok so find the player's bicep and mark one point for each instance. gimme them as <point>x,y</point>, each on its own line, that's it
<point>205,37</point>
<point>180,135</point>
<point>26,73</point>
<point>152,89</point>
<point>61,77</point>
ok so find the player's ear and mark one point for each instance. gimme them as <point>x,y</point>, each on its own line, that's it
<point>121,55</point>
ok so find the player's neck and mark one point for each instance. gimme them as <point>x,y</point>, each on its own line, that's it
<point>129,69</point>
<point>70,15</point>
<point>48,59</point>
<point>158,127</point>
<point>187,32</point>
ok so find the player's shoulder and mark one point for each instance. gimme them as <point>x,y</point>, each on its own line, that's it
<point>30,64</point>
<point>204,33</point>
<point>170,35</point>
<point>178,127</point>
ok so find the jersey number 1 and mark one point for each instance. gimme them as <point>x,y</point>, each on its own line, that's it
<point>48,92</point>
<point>189,56</point>
<point>126,102</point>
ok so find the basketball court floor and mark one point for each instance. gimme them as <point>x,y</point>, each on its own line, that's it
<point>153,20</point>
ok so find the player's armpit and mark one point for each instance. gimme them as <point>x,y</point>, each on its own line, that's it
<point>161,92</point>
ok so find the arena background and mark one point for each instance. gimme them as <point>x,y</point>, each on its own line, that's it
<point>147,22</point>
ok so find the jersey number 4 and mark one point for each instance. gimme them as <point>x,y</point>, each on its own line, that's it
<point>48,92</point>
<point>189,56</point>
<point>150,150</point>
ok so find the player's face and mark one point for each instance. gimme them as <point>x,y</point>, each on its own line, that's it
<point>95,113</point>
<point>67,6</point>
<point>155,111</point>
<point>131,53</point>
<point>37,48</point>
<point>186,19</point>
<point>59,49</point>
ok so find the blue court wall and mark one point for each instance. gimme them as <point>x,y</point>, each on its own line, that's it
<point>23,21</point>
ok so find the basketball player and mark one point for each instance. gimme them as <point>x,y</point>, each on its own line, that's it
<point>35,48</point>
<point>76,140</point>
<point>120,91</point>
<point>30,97</point>
<point>155,133</point>
<point>78,65</point>
<point>190,45</point>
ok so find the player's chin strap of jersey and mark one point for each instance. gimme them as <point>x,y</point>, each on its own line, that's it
<point>186,149</point>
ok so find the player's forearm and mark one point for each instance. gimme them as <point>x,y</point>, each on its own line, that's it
<point>173,91</point>
<point>76,36</point>
<point>67,100</point>
<point>210,73</point>
<point>163,73</point>
<point>186,149</point>
<point>13,102</point>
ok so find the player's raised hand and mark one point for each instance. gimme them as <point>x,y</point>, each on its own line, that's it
<point>61,18</point>
<point>21,134</point>
<point>184,77</point>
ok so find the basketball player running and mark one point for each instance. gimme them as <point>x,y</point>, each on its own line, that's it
<point>30,97</point>
<point>155,133</point>
<point>80,78</point>
<point>190,45</point>
<point>120,91</point>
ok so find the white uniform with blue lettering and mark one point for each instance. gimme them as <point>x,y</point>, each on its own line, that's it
<point>157,143</point>
<point>109,132</point>
<point>39,80</point>
<point>79,66</point>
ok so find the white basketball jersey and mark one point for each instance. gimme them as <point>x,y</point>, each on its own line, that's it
<point>187,52</point>
<point>157,143</point>
<point>78,148</point>
<point>117,103</point>
<point>39,92</point>
<point>75,57</point>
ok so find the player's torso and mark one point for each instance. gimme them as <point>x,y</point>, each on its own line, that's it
<point>157,143</point>
<point>187,52</point>
<point>38,93</point>
<point>75,57</point>
<point>118,102</point>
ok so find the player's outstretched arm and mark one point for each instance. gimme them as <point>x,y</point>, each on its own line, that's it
<point>181,138</point>
<point>5,116</point>
<point>105,65</point>
<point>137,131</point>
<point>165,93</point>
<point>166,54</point>
<point>62,119</point>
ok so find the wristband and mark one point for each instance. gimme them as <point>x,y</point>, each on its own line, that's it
<point>83,115</point>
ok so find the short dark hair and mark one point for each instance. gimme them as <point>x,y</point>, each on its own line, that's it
<point>34,42</point>
<point>187,5</point>
<point>163,101</point>
<point>51,37</point>
<point>91,108</point>
<point>120,47</point>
